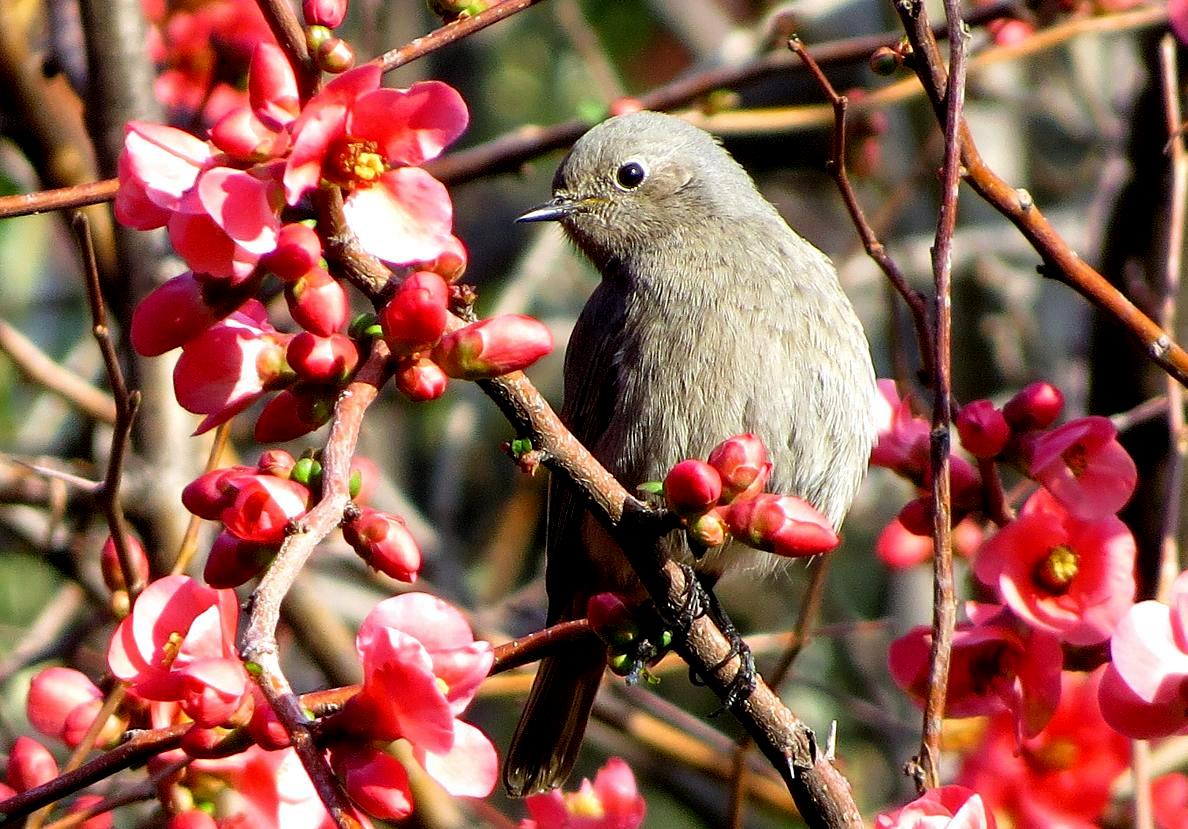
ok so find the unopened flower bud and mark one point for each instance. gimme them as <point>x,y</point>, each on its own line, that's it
<point>707,531</point>
<point>334,55</point>
<point>983,429</point>
<point>241,135</point>
<point>692,487</point>
<point>492,347</point>
<point>1035,407</point>
<point>318,303</point>
<point>415,316</point>
<point>233,561</point>
<point>782,524</point>
<point>328,360</point>
<point>421,380</point>
<point>611,620</point>
<point>212,492</point>
<point>293,413</point>
<point>450,264</point>
<point>916,516</point>
<point>276,462</point>
<point>113,571</point>
<point>263,508</point>
<point>885,61</point>
<point>384,542</point>
<point>298,251</point>
<point>742,463</point>
<point>30,764</point>
<point>315,36</point>
<point>324,12</point>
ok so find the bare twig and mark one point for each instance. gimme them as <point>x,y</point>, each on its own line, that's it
<point>874,248</point>
<point>944,599</point>
<point>126,403</point>
<point>450,33</point>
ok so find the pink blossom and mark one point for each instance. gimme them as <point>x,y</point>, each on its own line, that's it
<point>1061,777</point>
<point>1145,691</point>
<point>30,764</point>
<point>1084,467</point>
<point>159,165</point>
<point>244,204</point>
<point>272,789</point>
<point>782,524</point>
<point>229,366</point>
<point>233,561</point>
<point>317,302</point>
<point>1062,574</point>
<point>996,665</point>
<point>179,637</point>
<point>263,508</point>
<point>375,780</point>
<point>421,669</point>
<point>899,547</point>
<point>612,801</point>
<point>272,87</point>
<point>294,412</point>
<point>903,438</point>
<point>949,807</point>
<point>176,312</point>
<point>366,139</point>
<point>242,136</point>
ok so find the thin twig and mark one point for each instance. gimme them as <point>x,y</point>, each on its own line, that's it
<point>874,248</point>
<point>127,402</point>
<point>944,600</point>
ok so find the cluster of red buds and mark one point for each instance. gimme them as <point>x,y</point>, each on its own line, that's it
<point>722,497</point>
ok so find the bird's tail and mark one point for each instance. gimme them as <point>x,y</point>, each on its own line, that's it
<point>553,722</point>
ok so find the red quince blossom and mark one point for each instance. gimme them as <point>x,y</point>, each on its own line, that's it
<point>612,801</point>
<point>376,781</point>
<point>272,790</point>
<point>178,644</point>
<point>997,665</point>
<point>902,446</point>
<point>1059,573</point>
<point>158,168</point>
<point>415,317</point>
<point>328,13</point>
<point>242,136</point>
<point>369,140</point>
<point>329,360</point>
<point>298,251</point>
<point>1084,467</point>
<point>1034,407</point>
<point>272,87</point>
<point>1144,691</point>
<point>421,668</point>
<point>948,807</point>
<point>233,561</point>
<point>1058,779</point>
<point>421,380</point>
<point>230,365</point>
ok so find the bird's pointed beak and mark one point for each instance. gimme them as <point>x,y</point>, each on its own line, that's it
<point>555,210</point>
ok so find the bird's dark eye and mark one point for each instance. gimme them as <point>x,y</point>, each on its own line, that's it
<point>630,175</point>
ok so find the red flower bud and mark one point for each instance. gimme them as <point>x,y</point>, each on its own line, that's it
<point>211,493</point>
<point>1035,407</point>
<point>324,12</point>
<point>298,251</point>
<point>233,561</point>
<point>782,524</point>
<point>422,380</point>
<point>742,462</point>
<point>384,542</point>
<point>328,360</point>
<point>318,303</point>
<point>415,316</point>
<point>113,572</point>
<point>916,516</point>
<point>708,530</point>
<point>610,619</point>
<point>692,487</point>
<point>492,347</point>
<point>276,462</point>
<point>291,414</point>
<point>241,135</point>
<point>983,429</point>
<point>30,764</point>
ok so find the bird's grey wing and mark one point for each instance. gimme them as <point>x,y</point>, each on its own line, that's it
<point>592,365</point>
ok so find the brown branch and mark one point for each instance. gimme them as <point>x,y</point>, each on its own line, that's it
<point>450,33</point>
<point>126,403</point>
<point>40,368</point>
<point>874,248</point>
<point>290,34</point>
<point>1060,261</point>
<point>259,646</point>
<point>944,599</point>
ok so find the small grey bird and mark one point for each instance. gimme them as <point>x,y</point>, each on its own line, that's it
<point>713,318</point>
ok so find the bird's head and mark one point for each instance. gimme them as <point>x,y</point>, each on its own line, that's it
<point>638,178</point>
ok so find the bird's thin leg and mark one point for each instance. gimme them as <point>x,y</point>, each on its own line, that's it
<point>700,600</point>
